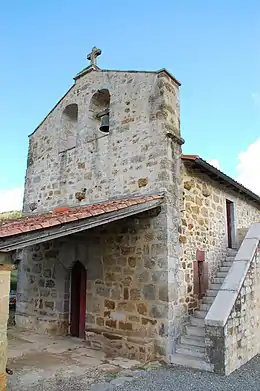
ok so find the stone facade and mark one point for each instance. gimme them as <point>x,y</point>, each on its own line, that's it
<point>204,226</point>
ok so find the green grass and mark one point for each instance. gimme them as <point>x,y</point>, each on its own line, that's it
<point>112,375</point>
<point>13,214</point>
<point>13,282</point>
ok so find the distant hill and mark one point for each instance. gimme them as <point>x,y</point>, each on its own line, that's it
<point>13,214</point>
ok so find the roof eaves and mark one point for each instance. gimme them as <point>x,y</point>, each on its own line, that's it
<point>12,239</point>
<point>190,157</point>
<point>164,70</point>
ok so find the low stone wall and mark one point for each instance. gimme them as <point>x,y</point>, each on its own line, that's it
<point>141,349</point>
<point>233,329</point>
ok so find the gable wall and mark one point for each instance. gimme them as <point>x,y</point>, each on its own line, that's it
<point>132,158</point>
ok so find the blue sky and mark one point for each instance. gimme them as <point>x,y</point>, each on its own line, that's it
<point>212,47</point>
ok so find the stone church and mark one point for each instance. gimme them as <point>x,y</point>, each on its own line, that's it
<point>127,243</point>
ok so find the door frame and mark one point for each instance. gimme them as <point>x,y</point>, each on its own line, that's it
<point>230,223</point>
<point>78,288</point>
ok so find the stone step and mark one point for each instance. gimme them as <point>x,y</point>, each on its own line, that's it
<point>219,280</point>
<point>211,293</point>
<point>215,287</point>
<point>227,263</point>
<point>232,251</point>
<point>205,306</point>
<point>193,340</point>
<point>192,362</point>
<point>197,321</point>
<point>200,313</point>
<point>195,330</point>
<point>230,257</point>
<point>224,268</point>
<point>208,299</point>
<point>194,351</point>
<point>221,274</point>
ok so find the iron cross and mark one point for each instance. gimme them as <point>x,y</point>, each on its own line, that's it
<point>95,52</point>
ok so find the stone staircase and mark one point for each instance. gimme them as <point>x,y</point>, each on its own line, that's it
<point>191,350</point>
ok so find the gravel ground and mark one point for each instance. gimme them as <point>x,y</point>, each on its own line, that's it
<point>246,378</point>
<point>161,379</point>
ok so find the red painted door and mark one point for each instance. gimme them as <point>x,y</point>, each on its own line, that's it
<point>78,300</point>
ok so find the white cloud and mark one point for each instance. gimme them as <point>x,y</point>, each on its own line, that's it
<point>11,199</point>
<point>249,167</point>
<point>215,163</point>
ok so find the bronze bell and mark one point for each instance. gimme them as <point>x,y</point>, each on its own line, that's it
<point>104,126</point>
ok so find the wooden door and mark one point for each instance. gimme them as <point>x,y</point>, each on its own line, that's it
<point>78,300</point>
<point>230,222</point>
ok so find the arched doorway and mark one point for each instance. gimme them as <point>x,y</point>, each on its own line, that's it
<point>78,300</point>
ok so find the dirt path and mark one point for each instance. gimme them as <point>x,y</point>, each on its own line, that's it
<point>41,362</point>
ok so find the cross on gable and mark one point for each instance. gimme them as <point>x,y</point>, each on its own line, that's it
<point>95,52</point>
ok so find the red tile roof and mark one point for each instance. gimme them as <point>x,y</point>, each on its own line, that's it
<point>67,215</point>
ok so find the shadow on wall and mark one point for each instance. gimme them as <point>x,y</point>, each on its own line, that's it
<point>12,296</point>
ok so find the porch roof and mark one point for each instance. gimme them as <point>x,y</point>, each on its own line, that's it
<point>30,230</point>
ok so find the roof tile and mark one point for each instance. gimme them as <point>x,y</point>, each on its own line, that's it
<point>131,202</point>
<point>65,215</point>
<point>97,212</point>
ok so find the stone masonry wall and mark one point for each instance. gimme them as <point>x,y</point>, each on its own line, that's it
<point>127,284</point>
<point>203,224</point>
<point>127,294</point>
<point>43,289</point>
<point>235,344</point>
<point>131,159</point>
